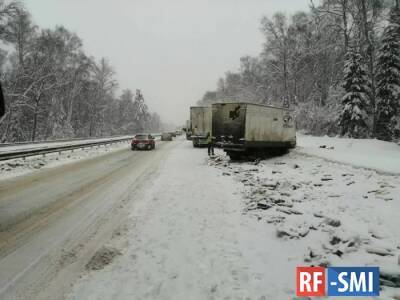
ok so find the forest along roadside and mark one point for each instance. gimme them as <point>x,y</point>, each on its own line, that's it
<point>210,229</point>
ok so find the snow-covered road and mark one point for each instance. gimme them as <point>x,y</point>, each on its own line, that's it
<point>174,224</point>
<point>183,239</point>
<point>54,219</point>
<point>211,229</point>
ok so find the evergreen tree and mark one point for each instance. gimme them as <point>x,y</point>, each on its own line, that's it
<point>353,119</point>
<point>388,80</point>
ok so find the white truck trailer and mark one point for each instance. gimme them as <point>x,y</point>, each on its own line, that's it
<point>245,129</point>
<point>200,120</point>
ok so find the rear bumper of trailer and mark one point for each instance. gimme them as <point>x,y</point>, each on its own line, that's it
<point>257,145</point>
<point>270,145</point>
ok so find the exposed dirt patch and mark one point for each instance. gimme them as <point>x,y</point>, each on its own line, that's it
<point>67,258</point>
<point>103,257</point>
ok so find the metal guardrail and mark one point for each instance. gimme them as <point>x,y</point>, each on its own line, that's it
<point>59,148</point>
<point>53,141</point>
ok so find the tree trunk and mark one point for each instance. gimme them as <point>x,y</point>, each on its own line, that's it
<point>35,116</point>
<point>91,126</point>
<point>345,33</point>
<point>285,84</point>
<point>74,92</point>
<point>371,58</point>
<point>34,125</point>
<point>285,77</point>
<point>9,118</point>
<point>20,52</point>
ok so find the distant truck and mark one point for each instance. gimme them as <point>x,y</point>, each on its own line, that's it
<point>166,136</point>
<point>245,129</point>
<point>200,120</point>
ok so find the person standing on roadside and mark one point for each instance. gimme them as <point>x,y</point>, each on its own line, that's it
<point>210,144</point>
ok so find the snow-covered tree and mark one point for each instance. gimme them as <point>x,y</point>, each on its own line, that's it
<point>141,110</point>
<point>388,80</point>
<point>353,119</point>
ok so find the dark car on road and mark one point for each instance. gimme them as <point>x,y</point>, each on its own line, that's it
<point>143,142</point>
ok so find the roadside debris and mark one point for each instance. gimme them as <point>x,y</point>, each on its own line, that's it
<point>333,222</point>
<point>103,257</point>
<point>329,210</point>
<point>390,279</point>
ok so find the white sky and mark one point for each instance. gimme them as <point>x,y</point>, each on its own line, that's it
<point>173,50</point>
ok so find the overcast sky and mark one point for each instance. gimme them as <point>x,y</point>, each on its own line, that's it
<point>173,50</point>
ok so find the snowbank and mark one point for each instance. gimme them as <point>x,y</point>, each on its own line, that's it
<point>28,146</point>
<point>19,166</point>
<point>366,153</point>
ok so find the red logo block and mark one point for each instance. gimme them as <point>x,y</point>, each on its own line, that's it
<point>310,281</point>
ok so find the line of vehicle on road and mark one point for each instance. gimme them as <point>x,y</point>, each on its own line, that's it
<point>145,141</point>
<point>242,129</point>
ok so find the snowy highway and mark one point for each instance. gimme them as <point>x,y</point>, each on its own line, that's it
<point>52,218</point>
<point>199,150</point>
<point>175,224</point>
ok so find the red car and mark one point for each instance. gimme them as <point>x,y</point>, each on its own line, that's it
<point>143,142</point>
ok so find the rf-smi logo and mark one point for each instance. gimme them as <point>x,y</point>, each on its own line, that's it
<point>337,281</point>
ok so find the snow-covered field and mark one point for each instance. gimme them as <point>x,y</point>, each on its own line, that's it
<point>212,229</point>
<point>366,153</point>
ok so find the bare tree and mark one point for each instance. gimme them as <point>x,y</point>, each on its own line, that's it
<point>53,88</point>
<point>20,31</point>
<point>336,10</point>
<point>104,86</point>
<point>277,46</point>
